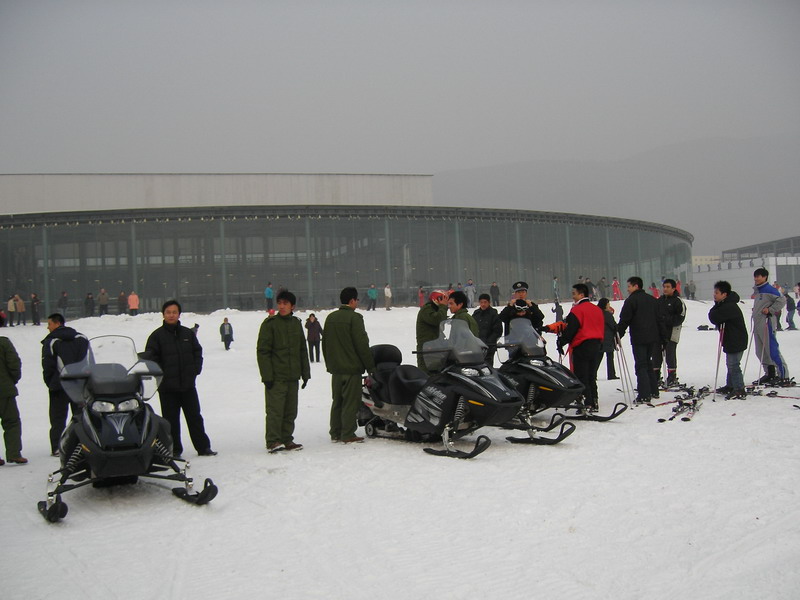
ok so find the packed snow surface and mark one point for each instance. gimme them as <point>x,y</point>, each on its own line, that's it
<point>631,508</point>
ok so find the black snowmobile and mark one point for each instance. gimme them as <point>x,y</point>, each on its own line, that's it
<point>116,437</point>
<point>544,384</point>
<point>462,395</point>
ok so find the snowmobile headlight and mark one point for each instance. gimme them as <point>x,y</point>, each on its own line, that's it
<point>537,363</point>
<point>103,407</point>
<point>486,371</point>
<point>470,372</point>
<point>128,405</point>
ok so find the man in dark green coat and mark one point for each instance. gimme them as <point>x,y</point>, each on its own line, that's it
<point>457,304</point>
<point>429,317</point>
<point>10,374</point>
<point>345,347</point>
<point>282,360</point>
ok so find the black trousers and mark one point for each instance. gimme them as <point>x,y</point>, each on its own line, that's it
<point>59,409</point>
<point>171,405</point>
<point>585,360</point>
<point>646,376</point>
<point>313,347</point>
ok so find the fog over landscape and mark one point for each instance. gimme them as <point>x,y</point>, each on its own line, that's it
<point>682,113</point>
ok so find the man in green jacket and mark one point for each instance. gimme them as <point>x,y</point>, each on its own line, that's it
<point>345,347</point>
<point>282,360</point>
<point>10,374</point>
<point>458,306</point>
<point>429,317</point>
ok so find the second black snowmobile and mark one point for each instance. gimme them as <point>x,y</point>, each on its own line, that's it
<point>115,437</point>
<point>544,384</point>
<point>463,394</point>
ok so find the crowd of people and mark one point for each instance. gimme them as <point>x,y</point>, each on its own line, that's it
<point>284,352</point>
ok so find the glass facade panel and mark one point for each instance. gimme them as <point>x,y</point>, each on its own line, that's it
<point>209,262</point>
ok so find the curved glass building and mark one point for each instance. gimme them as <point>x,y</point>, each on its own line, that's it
<point>215,241</point>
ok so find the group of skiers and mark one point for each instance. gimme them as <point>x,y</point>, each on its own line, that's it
<point>588,332</point>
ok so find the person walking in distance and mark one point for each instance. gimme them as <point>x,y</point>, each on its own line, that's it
<point>226,333</point>
<point>387,296</point>
<point>314,337</point>
<point>345,347</point>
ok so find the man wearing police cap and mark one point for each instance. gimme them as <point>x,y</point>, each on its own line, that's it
<point>519,307</point>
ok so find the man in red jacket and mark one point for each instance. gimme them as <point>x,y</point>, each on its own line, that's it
<point>584,334</point>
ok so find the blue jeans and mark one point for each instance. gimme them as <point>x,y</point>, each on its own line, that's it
<point>735,378</point>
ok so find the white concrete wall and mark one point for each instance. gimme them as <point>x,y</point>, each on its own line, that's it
<point>21,194</point>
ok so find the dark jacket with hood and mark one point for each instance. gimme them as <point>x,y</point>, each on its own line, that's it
<point>176,350</point>
<point>62,346</point>
<point>728,313</point>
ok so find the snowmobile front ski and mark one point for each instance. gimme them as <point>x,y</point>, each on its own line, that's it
<point>583,415</point>
<point>53,509</point>
<point>534,438</point>
<point>481,444</point>
<point>206,495</point>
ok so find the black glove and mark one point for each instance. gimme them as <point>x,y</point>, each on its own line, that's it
<point>268,384</point>
<point>305,382</point>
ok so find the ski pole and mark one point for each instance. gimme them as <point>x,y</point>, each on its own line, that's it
<point>749,345</point>
<point>627,383</point>
<point>719,352</point>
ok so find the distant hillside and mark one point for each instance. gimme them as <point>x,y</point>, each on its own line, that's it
<point>726,192</point>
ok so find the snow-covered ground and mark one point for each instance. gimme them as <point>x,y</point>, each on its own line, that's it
<point>627,509</point>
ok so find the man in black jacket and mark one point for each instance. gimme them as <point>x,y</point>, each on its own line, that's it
<point>728,318</point>
<point>511,312</point>
<point>62,346</point>
<point>490,326</point>
<point>673,311</point>
<point>641,313</point>
<point>176,350</point>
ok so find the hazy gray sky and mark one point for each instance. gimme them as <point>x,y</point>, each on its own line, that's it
<point>383,86</point>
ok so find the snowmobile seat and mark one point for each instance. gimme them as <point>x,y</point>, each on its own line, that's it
<point>112,379</point>
<point>386,358</point>
<point>405,383</point>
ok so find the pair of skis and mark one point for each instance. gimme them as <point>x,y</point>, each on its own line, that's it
<point>687,405</point>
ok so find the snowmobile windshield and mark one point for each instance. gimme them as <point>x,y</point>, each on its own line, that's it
<point>522,337</point>
<point>455,345</point>
<point>111,368</point>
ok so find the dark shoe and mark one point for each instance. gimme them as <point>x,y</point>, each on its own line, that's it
<point>275,447</point>
<point>20,460</point>
<point>655,395</point>
<point>207,452</point>
<point>54,453</point>
<point>2,462</point>
<point>293,446</point>
<point>725,389</point>
<point>353,440</point>
<point>641,400</point>
<point>739,394</point>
